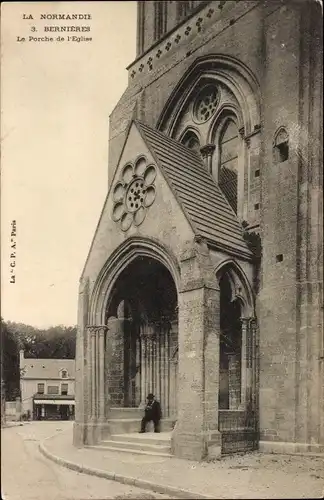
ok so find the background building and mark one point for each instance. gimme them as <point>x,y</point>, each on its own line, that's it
<point>203,283</point>
<point>47,388</point>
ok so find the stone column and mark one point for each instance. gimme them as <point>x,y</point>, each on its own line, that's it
<point>89,373</point>
<point>82,375</point>
<point>151,363</point>
<point>149,337</point>
<point>254,365</point>
<point>163,374</point>
<point>138,372</point>
<point>96,426</point>
<point>249,356</point>
<point>234,381</point>
<point>243,178</point>
<point>97,374</point>
<point>93,373</point>
<point>246,356</point>
<point>101,331</point>
<point>174,368</point>
<point>196,434</point>
<point>115,369</point>
<point>207,152</point>
<point>143,368</point>
<point>167,371</point>
<point>158,365</point>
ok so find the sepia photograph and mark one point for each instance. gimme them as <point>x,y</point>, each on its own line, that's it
<point>162,250</point>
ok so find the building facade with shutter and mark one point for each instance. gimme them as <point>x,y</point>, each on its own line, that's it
<point>47,388</point>
<point>203,283</point>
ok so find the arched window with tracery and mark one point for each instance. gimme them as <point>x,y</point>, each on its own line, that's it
<point>228,147</point>
<point>218,99</point>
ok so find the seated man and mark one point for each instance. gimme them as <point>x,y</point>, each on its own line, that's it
<point>152,413</point>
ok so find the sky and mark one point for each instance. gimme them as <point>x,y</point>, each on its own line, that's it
<point>56,98</point>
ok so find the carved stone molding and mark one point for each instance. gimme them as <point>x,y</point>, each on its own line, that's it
<point>202,20</point>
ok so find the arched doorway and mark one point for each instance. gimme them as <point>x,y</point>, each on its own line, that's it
<point>143,336</point>
<point>237,403</point>
<point>230,348</point>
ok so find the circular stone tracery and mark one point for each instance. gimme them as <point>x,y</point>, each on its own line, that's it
<point>133,193</point>
<point>206,103</point>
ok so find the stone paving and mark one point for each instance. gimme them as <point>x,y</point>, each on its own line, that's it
<point>246,476</point>
<point>27,475</point>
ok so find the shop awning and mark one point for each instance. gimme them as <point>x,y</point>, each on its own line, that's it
<point>54,402</point>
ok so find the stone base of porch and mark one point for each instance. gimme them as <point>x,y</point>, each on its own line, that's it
<point>128,420</point>
<point>118,421</point>
<point>90,433</point>
<point>291,448</point>
<point>129,425</point>
<point>196,446</point>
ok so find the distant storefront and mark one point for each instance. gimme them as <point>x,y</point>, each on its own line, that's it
<point>52,408</point>
<point>47,388</point>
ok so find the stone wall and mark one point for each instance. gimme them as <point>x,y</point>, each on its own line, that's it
<point>266,36</point>
<point>280,43</point>
<point>290,378</point>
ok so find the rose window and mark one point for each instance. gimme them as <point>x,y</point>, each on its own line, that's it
<point>134,193</point>
<point>206,104</point>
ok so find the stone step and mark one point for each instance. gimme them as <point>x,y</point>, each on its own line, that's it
<point>133,425</point>
<point>139,446</point>
<point>130,450</point>
<point>124,426</point>
<point>162,439</point>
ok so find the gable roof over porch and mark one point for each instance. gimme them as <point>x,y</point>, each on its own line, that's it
<point>202,201</point>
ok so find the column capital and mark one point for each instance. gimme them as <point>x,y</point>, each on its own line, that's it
<point>91,329</point>
<point>97,329</point>
<point>247,321</point>
<point>207,150</point>
<point>102,330</point>
<point>253,322</point>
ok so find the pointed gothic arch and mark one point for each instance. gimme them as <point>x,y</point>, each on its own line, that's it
<point>226,70</point>
<point>241,288</point>
<point>191,139</point>
<point>213,89</point>
<point>128,251</point>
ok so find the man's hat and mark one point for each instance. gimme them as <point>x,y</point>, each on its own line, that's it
<point>150,396</point>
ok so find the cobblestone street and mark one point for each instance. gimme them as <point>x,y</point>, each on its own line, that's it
<point>26,474</point>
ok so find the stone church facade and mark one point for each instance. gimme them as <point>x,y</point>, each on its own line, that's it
<point>203,283</point>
